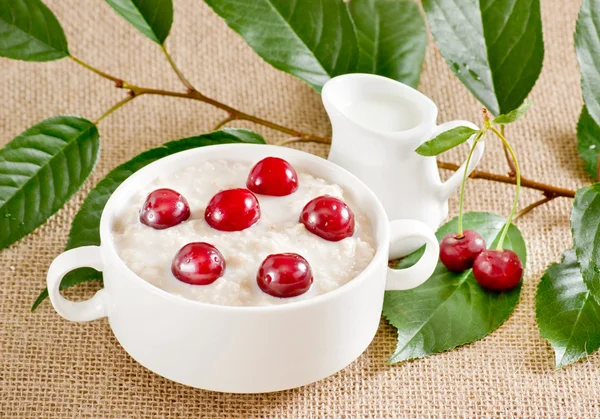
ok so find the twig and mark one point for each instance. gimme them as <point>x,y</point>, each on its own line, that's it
<point>195,95</point>
<point>233,113</point>
<point>536,204</point>
<point>114,108</point>
<point>511,163</point>
<point>185,81</point>
<point>509,160</point>
<point>117,80</point>
<point>224,121</point>
<point>299,136</point>
<point>292,140</point>
<point>526,183</point>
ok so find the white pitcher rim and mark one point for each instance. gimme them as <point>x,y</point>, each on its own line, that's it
<point>429,115</point>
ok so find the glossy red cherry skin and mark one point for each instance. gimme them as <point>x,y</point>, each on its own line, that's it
<point>198,263</point>
<point>329,218</point>
<point>272,176</point>
<point>164,208</point>
<point>232,210</point>
<point>284,275</point>
<point>458,253</point>
<point>498,270</point>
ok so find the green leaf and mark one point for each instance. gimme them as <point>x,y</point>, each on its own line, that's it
<point>311,39</point>
<point>587,46</point>
<point>495,47</point>
<point>512,116</point>
<point>451,309</point>
<point>392,38</point>
<point>153,18</point>
<point>585,224</point>
<point>29,31</point>
<point>588,142</point>
<point>445,141</point>
<point>567,316</point>
<point>41,169</point>
<point>85,229</point>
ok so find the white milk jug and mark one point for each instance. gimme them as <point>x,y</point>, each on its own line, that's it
<point>377,125</point>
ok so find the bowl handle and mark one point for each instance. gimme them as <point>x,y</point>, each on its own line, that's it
<point>80,257</point>
<point>412,277</point>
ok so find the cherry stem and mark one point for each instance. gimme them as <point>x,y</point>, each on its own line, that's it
<point>299,136</point>
<point>464,181</point>
<point>518,179</point>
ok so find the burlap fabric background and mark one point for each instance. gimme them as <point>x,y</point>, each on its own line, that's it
<point>50,367</point>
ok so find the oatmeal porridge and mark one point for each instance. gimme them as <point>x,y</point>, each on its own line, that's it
<point>276,224</point>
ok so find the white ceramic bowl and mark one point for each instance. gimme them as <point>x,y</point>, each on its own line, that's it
<point>242,349</point>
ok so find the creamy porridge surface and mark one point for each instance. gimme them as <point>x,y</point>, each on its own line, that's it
<point>149,252</point>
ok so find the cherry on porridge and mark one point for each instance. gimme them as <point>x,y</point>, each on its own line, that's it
<point>272,176</point>
<point>329,218</point>
<point>284,275</point>
<point>164,208</point>
<point>232,210</point>
<point>198,263</point>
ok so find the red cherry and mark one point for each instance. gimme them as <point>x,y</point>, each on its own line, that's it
<point>272,176</point>
<point>498,270</point>
<point>329,218</point>
<point>284,275</point>
<point>164,208</point>
<point>232,210</point>
<point>198,263</point>
<point>458,253</point>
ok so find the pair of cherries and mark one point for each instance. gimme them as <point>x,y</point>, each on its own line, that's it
<point>498,270</point>
<point>280,275</point>
<point>229,210</point>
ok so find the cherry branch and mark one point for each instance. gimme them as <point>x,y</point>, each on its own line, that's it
<point>95,70</point>
<point>114,108</point>
<point>223,122</point>
<point>185,81</point>
<point>509,160</point>
<point>299,136</point>
<point>233,114</point>
<point>526,183</point>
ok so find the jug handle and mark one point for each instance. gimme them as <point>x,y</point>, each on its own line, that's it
<point>449,186</point>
